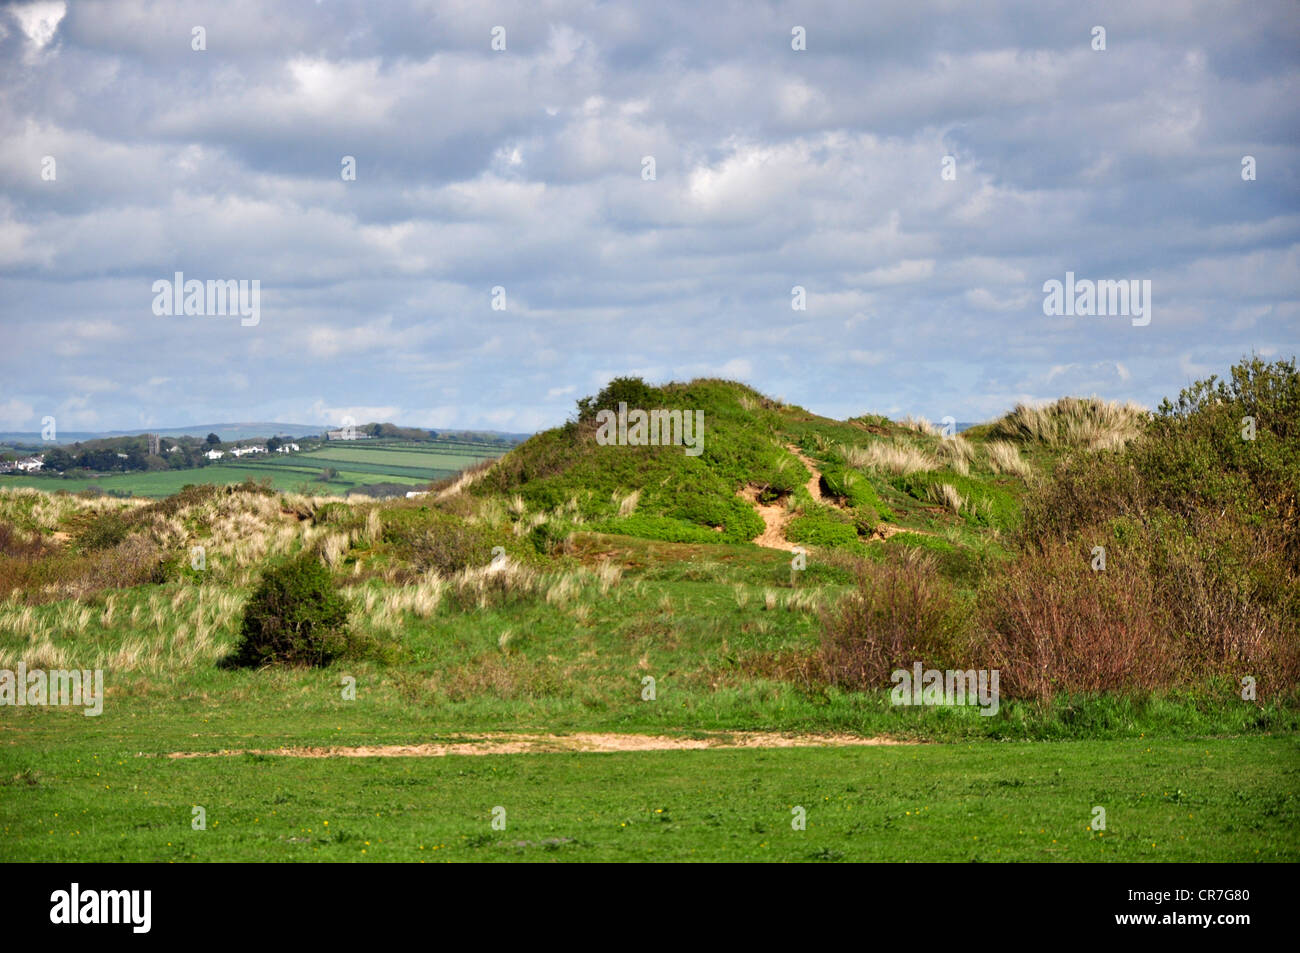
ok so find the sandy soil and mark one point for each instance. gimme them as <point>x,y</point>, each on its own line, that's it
<point>501,743</point>
<point>774,515</point>
<point>815,482</point>
<point>774,519</point>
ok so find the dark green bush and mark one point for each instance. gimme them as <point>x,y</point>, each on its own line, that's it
<point>822,526</point>
<point>633,391</point>
<point>294,617</point>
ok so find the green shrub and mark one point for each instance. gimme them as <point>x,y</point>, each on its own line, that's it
<point>986,505</point>
<point>707,509</point>
<point>822,526</point>
<point>1201,526</point>
<point>855,488</point>
<point>434,540</point>
<point>662,528</point>
<point>295,616</point>
<point>633,391</point>
<point>106,530</point>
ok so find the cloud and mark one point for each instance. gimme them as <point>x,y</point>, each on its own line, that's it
<point>523,170</point>
<point>17,414</point>
<point>39,21</point>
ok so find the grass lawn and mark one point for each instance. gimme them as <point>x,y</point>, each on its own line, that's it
<point>1192,800</point>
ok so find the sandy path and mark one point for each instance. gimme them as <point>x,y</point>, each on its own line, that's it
<point>774,519</point>
<point>584,742</point>
<point>815,483</point>
<point>774,515</point>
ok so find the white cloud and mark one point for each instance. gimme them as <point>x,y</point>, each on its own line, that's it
<point>40,20</point>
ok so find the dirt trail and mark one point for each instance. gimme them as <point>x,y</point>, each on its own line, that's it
<point>774,519</point>
<point>815,483</point>
<point>774,515</point>
<point>584,742</point>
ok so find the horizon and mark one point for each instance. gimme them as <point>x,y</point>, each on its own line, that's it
<point>173,427</point>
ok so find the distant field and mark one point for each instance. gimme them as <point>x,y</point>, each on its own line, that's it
<point>357,465</point>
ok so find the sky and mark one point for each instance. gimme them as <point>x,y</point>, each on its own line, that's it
<point>919,169</point>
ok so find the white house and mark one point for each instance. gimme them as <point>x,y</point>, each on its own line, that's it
<point>215,454</point>
<point>244,451</point>
<point>31,463</point>
<point>287,448</point>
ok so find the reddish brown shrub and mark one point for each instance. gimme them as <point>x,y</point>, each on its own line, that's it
<point>1053,624</point>
<point>898,614</point>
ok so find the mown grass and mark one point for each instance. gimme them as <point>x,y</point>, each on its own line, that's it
<point>1203,800</point>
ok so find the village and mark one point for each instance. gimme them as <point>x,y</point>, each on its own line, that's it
<point>215,454</point>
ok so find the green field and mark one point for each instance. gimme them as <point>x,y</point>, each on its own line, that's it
<point>357,465</point>
<point>1204,800</point>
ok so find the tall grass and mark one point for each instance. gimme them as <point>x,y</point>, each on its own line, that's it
<point>1004,457</point>
<point>895,457</point>
<point>1089,423</point>
<point>920,424</point>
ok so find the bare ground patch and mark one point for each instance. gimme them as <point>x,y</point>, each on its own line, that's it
<point>774,518</point>
<point>815,482</point>
<point>585,742</point>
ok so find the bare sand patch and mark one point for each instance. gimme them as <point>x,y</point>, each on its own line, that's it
<point>815,482</point>
<point>774,519</point>
<point>582,742</point>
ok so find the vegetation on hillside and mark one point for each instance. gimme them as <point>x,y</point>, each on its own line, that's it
<point>547,584</point>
